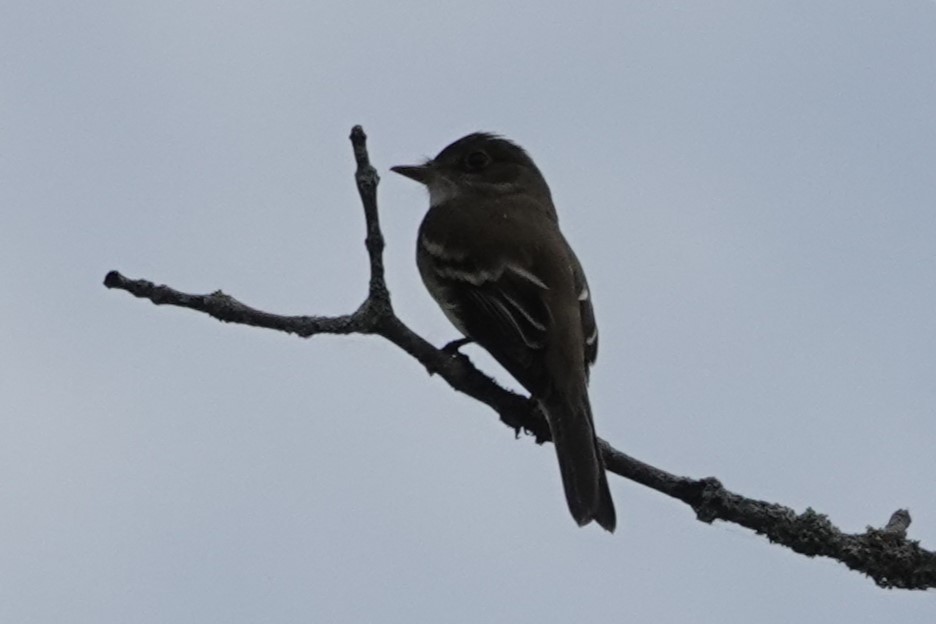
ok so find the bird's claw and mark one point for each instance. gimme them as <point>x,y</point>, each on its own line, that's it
<point>453,347</point>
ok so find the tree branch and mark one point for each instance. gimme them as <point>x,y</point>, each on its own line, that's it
<point>885,555</point>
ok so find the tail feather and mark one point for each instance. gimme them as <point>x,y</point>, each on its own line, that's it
<point>580,463</point>
<point>605,515</point>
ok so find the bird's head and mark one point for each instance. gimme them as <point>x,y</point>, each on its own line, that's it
<point>480,164</point>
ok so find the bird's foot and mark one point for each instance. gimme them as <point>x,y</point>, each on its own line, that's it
<point>452,350</point>
<point>453,347</point>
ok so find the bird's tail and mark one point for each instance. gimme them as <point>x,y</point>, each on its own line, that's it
<point>580,463</point>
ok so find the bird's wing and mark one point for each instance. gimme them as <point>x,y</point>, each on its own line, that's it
<point>502,307</point>
<point>586,311</point>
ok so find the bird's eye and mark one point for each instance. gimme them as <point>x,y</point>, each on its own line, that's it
<point>476,161</point>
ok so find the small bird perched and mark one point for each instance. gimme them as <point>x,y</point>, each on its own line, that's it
<point>491,254</point>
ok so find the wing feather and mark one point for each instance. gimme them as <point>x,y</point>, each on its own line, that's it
<point>502,308</point>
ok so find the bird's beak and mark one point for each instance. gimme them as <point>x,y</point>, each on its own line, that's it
<point>420,173</point>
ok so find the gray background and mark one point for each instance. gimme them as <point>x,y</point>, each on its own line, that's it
<point>750,186</point>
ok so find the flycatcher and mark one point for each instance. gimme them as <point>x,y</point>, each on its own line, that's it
<point>491,254</point>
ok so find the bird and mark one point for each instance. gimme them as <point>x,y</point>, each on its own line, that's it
<point>490,252</point>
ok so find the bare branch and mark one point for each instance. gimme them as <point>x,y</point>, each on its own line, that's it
<point>886,555</point>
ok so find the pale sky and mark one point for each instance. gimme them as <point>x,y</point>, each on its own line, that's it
<point>750,186</point>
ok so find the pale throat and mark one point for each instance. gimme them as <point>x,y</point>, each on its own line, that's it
<point>442,190</point>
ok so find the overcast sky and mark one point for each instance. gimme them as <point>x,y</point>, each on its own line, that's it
<point>750,186</point>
